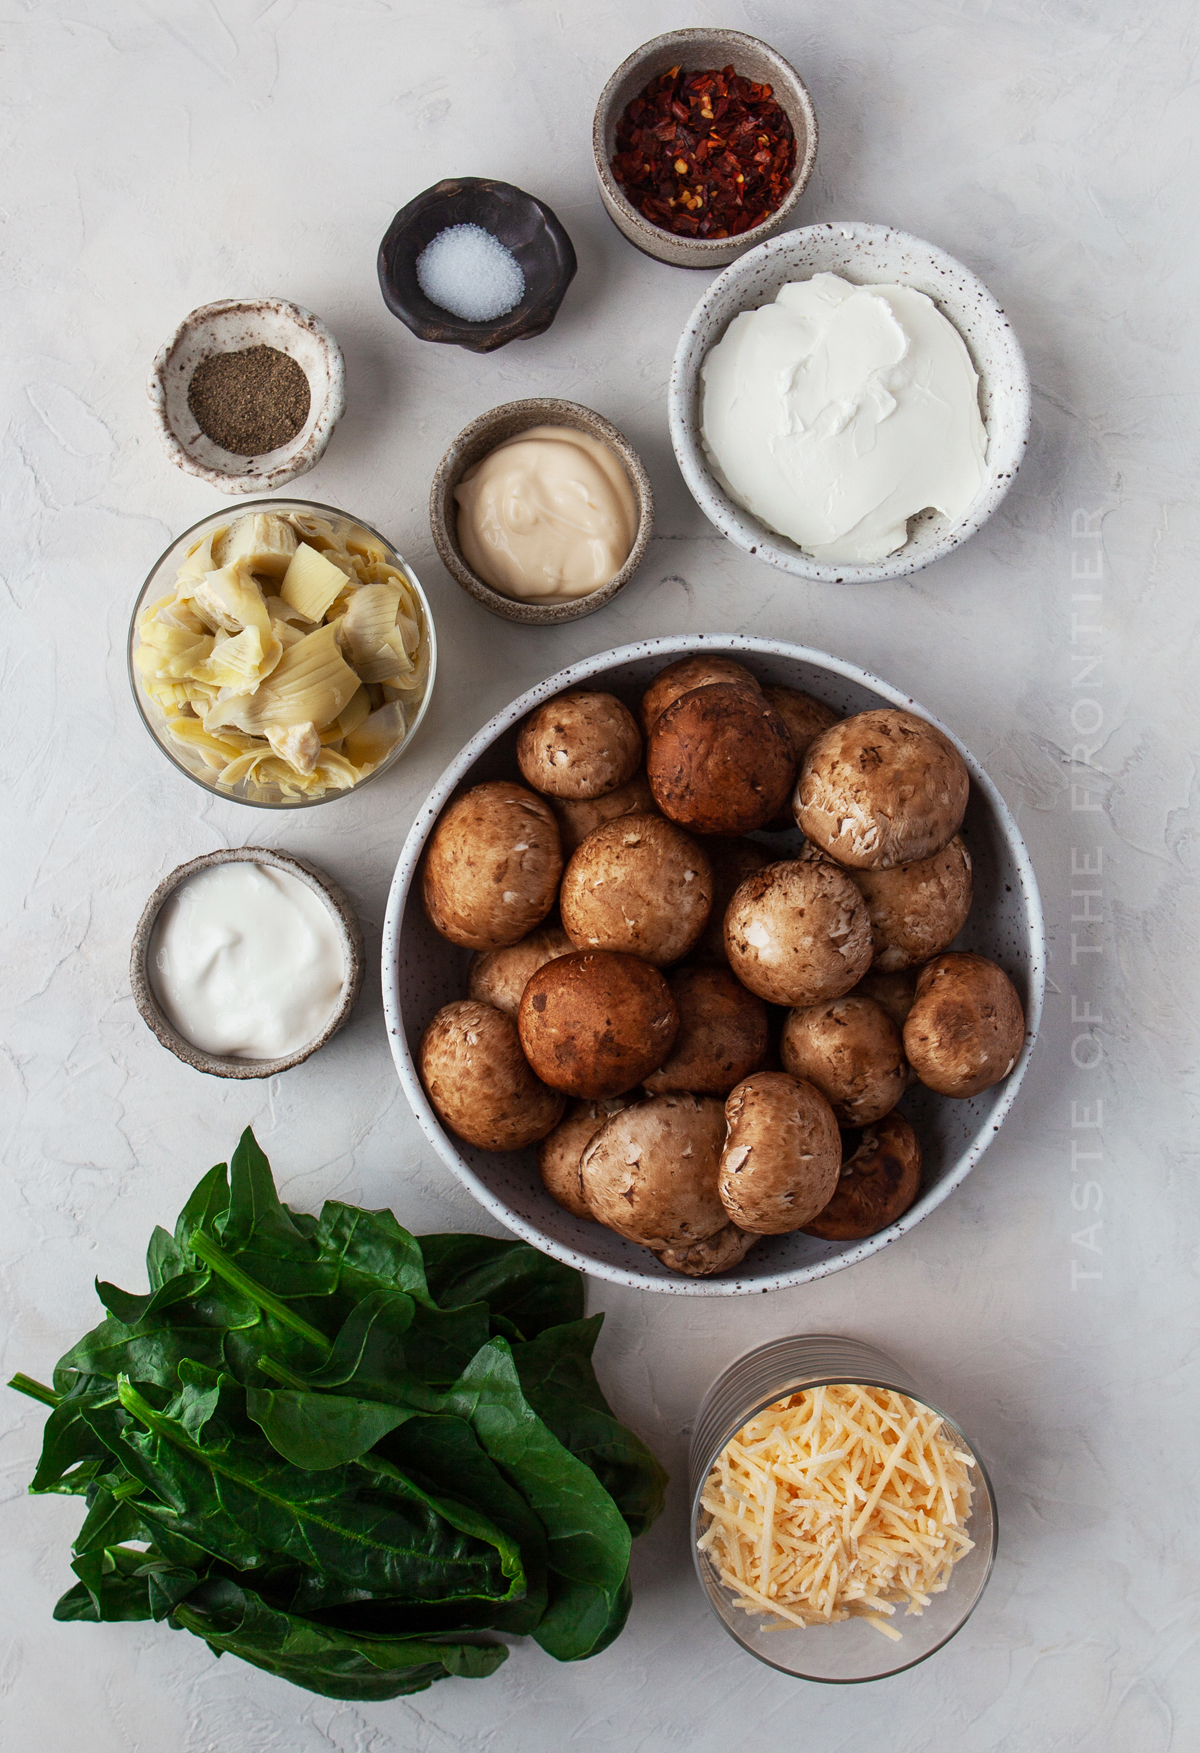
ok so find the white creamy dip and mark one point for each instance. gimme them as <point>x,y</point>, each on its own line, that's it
<point>246,961</point>
<point>838,412</point>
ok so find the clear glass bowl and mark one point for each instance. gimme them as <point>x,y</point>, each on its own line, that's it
<point>160,580</point>
<point>853,1650</point>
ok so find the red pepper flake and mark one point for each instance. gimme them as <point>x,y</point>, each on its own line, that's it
<point>705,154</point>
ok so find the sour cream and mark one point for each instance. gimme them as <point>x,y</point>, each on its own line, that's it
<point>246,961</point>
<point>838,412</point>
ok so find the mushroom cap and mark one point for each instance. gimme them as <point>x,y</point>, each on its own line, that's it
<point>881,788</point>
<point>479,1081</point>
<point>500,976</point>
<point>579,745</point>
<point>782,1154</point>
<point>895,992</point>
<point>577,817</point>
<point>850,1049</point>
<point>880,1178</point>
<point>595,1023</point>
<point>492,867</point>
<point>804,716</point>
<point>560,1151</point>
<point>917,910</point>
<point>723,1034</point>
<point>966,1027</point>
<point>699,670</point>
<point>797,932</point>
<point>733,860</point>
<point>714,1254</point>
<point>650,1173</point>
<point>639,885</point>
<point>720,760</point>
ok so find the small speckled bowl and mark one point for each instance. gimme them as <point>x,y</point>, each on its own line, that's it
<point>693,50</point>
<point>523,224</point>
<point>867,255</point>
<point>422,972</point>
<point>231,327</point>
<point>481,437</point>
<point>218,1065</point>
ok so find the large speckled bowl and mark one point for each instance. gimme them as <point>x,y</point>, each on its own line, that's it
<point>867,255</point>
<point>421,972</point>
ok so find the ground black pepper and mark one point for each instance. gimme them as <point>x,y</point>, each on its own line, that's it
<point>249,402</point>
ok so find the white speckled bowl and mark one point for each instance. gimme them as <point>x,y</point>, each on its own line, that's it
<point>421,972</point>
<point>867,255</point>
<point>229,327</point>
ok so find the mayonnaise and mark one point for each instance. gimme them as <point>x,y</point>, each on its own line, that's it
<point>838,412</point>
<point>548,515</point>
<point>246,961</point>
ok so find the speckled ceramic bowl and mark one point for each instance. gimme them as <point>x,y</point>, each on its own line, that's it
<point>230,327</point>
<point>866,255</point>
<point>422,972</point>
<point>473,443</point>
<point>693,50</point>
<point>215,1064</point>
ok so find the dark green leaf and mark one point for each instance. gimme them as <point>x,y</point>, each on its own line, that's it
<point>255,1212</point>
<point>372,1250</point>
<point>130,1309</point>
<point>110,1588</point>
<point>320,1430</point>
<point>205,1209</point>
<point>165,1259</point>
<point>527,1288</point>
<point>68,1440</point>
<point>581,1621</point>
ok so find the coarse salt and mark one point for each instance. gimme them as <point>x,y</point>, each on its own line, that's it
<point>467,271</point>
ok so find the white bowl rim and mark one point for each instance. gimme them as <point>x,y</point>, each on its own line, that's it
<point>755,538</point>
<point>409,860</point>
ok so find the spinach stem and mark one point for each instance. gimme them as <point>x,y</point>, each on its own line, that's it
<point>281,1373</point>
<point>35,1390</point>
<point>206,1249</point>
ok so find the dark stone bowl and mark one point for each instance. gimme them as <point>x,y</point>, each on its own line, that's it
<point>523,225</point>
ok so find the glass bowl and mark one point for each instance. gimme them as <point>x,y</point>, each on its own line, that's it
<point>852,1650</point>
<point>159,582</point>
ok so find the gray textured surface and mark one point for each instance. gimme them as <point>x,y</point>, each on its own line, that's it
<point>163,155</point>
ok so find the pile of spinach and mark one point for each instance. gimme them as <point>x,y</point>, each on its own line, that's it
<point>343,1452</point>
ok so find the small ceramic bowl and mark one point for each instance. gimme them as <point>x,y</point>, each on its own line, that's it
<point>475,442</point>
<point>867,255</point>
<point>160,581</point>
<point>852,1650</point>
<point>523,224</point>
<point>219,1065</point>
<point>695,49</point>
<point>231,327</point>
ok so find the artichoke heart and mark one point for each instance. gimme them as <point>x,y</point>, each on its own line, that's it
<point>198,562</point>
<point>310,684</point>
<point>297,744</point>
<point>311,582</point>
<point>376,737</point>
<point>239,664</point>
<point>230,599</point>
<point>264,542</point>
<point>370,636</point>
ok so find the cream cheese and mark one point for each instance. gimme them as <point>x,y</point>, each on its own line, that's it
<point>838,412</point>
<point>246,961</point>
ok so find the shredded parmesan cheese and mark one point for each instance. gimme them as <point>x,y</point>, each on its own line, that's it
<point>836,1503</point>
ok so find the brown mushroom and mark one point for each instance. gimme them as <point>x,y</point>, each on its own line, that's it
<point>881,788</point>
<point>797,932</point>
<point>560,1151</point>
<point>500,976</point>
<point>595,1023</point>
<point>639,885</point>
<point>699,670</point>
<point>895,992</point>
<point>720,760</point>
<point>850,1049</point>
<point>805,717</point>
<point>917,910</point>
<point>714,1254</point>
<point>650,1173</point>
<point>576,819</point>
<point>492,867</point>
<point>782,1154</point>
<point>880,1178</point>
<point>732,860</point>
<point>722,1035</point>
<point>579,746</point>
<point>478,1079</point>
<point>966,1027</point>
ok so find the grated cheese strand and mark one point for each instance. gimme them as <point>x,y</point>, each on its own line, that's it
<point>835,1503</point>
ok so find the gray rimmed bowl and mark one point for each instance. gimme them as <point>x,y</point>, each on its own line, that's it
<point>422,972</point>
<point>220,1065</point>
<point>867,255</point>
<point>231,326</point>
<point>481,437</point>
<point>693,50</point>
